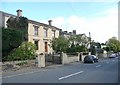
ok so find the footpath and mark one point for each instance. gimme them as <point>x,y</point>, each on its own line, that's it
<point>27,70</point>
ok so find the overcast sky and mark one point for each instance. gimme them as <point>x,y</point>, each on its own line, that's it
<point>98,17</point>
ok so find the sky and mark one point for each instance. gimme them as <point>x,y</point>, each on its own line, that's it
<point>98,17</point>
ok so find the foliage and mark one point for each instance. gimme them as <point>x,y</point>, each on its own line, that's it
<point>113,44</point>
<point>14,35</point>
<point>25,51</point>
<point>93,50</point>
<point>106,48</point>
<point>76,48</point>
<point>11,38</point>
<point>60,44</point>
<point>98,45</point>
<point>81,40</point>
<point>19,23</point>
<point>71,49</point>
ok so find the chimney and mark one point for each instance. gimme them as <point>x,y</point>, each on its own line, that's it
<point>74,32</point>
<point>50,22</point>
<point>65,31</point>
<point>19,13</point>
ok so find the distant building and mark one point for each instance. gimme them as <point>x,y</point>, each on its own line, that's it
<point>67,34</point>
<point>39,33</point>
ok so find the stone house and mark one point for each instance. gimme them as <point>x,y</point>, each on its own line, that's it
<point>39,33</point>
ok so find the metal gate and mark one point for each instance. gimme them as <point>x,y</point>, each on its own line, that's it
<point>51,59</point>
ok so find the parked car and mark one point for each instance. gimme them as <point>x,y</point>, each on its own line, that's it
<point>112,55</point>
<point>94,58</point>
<point>90,59</point>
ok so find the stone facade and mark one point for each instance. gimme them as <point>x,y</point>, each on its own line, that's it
<point>39,33</point>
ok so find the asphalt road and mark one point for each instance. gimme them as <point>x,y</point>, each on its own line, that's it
<point>105,71</point>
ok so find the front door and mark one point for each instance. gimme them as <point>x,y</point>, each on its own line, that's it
<point>46,47</point>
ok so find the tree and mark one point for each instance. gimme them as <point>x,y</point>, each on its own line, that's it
<point>98,45</point>
<point>11,38</point>
<point>113,44</point>
<point>19,23</point>
<point>25,51</point>
<point>93,50</point>
<point>72,48</point>
<point>60,44</point>
<point>106,48</point>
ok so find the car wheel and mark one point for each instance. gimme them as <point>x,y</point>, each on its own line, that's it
<point>93,62</point>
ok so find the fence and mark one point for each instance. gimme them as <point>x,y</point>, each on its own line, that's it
<point>52,59</point>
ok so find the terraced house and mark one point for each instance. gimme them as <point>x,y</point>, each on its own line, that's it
<point>39,33</point>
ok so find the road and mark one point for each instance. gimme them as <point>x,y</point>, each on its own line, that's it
<point>105,71</point>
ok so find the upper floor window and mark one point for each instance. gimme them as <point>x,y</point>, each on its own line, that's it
<point>45,33</point>
<point>53,34</point>
<point>35,30</point>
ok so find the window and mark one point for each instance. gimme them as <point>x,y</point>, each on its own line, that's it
<point>45,32</point>
<point>35,30</point>
<point>53,34</point>
<point>36,43</point>
<point>46,47</point>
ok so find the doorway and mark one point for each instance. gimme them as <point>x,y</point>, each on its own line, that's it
<point>46,47</point>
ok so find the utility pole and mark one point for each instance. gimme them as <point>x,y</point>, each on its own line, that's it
<point>90,43</point>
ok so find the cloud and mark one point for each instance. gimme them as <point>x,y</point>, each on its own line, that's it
<point>101,27</point>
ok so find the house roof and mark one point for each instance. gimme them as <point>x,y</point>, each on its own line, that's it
<point>29,20</point>
<point>42,24</point>
<point>7,14</point>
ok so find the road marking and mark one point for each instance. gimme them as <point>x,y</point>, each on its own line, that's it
<point>70,75</point>
<point>20,74</point>
<point>116,57</point>
<point>108,62</point>
<point>98,66</point>
<point>113,60</point>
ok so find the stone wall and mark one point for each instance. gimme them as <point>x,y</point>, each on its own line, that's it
<point>66,59</point>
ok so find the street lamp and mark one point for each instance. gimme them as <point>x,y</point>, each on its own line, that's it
<point>90,43</point>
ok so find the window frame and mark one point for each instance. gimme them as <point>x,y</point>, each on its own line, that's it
<point>36,31</point>
<point>45,32</point>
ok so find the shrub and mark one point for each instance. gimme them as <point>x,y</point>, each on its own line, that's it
<point>24,52</point>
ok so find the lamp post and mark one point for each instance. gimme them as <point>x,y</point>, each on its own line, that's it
<point>90,43</point>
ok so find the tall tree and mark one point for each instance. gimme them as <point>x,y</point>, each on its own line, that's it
<point>19,23</point>
<point>60,44</point>
<point>11,38</point>
<point>113,44</point>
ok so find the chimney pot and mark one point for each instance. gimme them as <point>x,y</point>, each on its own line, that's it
<point>50,22</point>
<point>19,13</point>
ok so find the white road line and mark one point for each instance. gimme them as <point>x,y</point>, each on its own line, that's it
<point>108,62</point>
<point>70,75</point>
<point>113,60</point>
<point>116,57</point>
<point>20,74</point>
<point>98,66</point>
